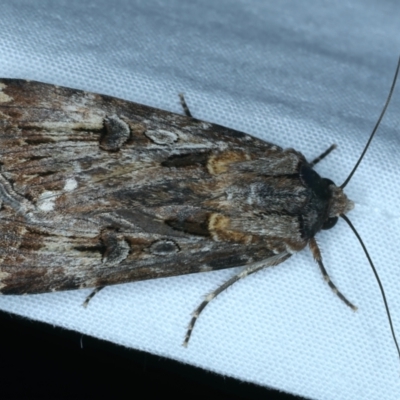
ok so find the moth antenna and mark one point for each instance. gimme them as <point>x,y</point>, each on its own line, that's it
<point>250,269</point>
<point>377,279</point>
<point>376,125</point>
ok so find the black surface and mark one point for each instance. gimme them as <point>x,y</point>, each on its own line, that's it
<point>38,361</point>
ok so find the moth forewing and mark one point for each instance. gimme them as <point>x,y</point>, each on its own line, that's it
<point>176,196</point>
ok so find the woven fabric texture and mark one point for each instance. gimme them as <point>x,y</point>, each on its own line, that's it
<point>301,75</point>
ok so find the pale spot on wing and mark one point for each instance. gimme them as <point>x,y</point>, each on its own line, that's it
<point>4,98</point>
<point>70,185</point>
<point>3,275</point>
<point>46,201</point>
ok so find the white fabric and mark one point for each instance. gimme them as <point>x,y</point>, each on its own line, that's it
<point>298,74</point>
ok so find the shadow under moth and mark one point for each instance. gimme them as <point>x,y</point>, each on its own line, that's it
<point>97,191</point>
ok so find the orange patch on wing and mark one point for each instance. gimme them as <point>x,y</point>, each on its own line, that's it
<point>219,227</point>
<point>219,163</point>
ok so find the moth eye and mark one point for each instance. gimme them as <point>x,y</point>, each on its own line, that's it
<point>329,223</point>
<point>328,182</point>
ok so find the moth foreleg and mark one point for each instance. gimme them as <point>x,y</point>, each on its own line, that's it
<point>318,258</point>
<point>250,269</point>
<point>91,295</point>
<point>323,155</point>
<point>184,105</point>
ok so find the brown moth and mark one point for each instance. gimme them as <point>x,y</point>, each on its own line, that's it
<point>97,191</point>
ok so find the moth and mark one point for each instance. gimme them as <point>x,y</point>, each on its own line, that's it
<point>97,191</point>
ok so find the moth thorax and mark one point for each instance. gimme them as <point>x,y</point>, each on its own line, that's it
<point>339,204</point>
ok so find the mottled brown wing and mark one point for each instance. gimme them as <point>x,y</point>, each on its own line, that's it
<point>98,191</point>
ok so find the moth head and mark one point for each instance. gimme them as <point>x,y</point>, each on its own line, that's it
<point>328,199</point>
<point>339,204</point>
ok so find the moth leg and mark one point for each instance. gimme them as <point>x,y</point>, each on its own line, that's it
<point>185,106</point>
<point>323,155</point>
<point>91,295</point>
<point>250,269</point>
<point>318,258</point>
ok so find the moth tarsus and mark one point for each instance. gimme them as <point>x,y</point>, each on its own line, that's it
<point>318,258</point>
<point>91,295</point>
<point>97,191</point>
<point>250,269</point>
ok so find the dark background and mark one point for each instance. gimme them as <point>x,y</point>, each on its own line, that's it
<point>41,361</point>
